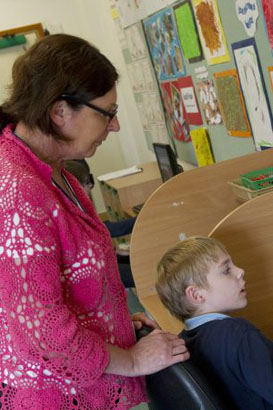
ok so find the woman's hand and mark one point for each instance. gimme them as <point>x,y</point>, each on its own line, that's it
<point>157,351</point>
<point>140,319</point>
<point>150,354</point>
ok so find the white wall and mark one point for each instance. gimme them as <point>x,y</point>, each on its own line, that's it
<point>92,20</point>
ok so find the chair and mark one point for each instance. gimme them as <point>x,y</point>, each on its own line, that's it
<point>183,387</point>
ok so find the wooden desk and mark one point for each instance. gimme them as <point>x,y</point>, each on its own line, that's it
<point>247,233</point>
<point>190,203</point>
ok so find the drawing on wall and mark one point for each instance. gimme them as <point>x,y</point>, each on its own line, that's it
<point>202,147</point>
<point>164,45</point>
<point>172,101</point>
<point>211,31</point>
<point>268,16</point>
<point>209,102</point>
<point>232,103</point>
<point>132,11</point>
<point>270,70</point>
<point>247,12</point>
<point>135,42</point>
<point>187,32</point>
<point>254,91</point>
<point>201,72</point>
<point>190,104</point>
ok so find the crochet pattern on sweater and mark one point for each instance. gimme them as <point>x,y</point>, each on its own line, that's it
<point>61,297</point>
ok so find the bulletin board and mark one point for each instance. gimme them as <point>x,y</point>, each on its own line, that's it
<point>202,67</point>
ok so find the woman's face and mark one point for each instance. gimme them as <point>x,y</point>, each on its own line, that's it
<point>87,128</point>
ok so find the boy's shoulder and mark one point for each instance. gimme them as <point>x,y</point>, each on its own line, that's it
<point>221,328</point>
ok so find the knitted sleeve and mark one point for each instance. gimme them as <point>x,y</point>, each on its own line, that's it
<point>40,328</point>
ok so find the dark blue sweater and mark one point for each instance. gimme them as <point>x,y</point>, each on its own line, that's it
<point>239,356</point>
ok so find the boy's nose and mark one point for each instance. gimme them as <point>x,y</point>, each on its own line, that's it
<point>241,273</point>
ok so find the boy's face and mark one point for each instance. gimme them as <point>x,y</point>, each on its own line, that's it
<point>226,287</point>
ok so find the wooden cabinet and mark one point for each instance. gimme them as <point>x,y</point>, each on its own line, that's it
<point>121,194</point>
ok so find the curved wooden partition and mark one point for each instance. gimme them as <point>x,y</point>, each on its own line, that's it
<point>190,203</point>
<point>247,233</point>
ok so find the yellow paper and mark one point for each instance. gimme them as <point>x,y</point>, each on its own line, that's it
<point>201,147</point>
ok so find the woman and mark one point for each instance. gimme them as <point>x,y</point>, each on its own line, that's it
<point>66,338</point>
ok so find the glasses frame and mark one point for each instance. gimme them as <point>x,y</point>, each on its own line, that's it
<point>79,100</point>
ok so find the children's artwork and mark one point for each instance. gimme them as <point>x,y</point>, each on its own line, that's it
<point>211,31</point>
<point>209,102</point>
<point>187,32</point>
<point>247,12</point>
<point>201,72</point>
<point>201,146</point>
<point>135,42</point>
<point>164,45</point>
<point>268,16</point>
<point>232,103</point>
<point>270,70</point>
<point>254,91</point>
<point>174,109</point>
<point>190,104</point>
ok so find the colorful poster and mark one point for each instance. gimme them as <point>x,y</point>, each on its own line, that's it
<point>211,31</point>
<point>187,32</point>
<point>247,12</point>
<point>254,91</point>
<point>164,45</point>
<point>209,102</point>
<point>190,104</point>
<point>232,103</point>
<point>174,109</point>
<point>268,16</point>
<point>202,148</point>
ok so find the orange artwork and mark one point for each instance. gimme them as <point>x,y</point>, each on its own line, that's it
<point>206,18</point>
<point>211,31</point>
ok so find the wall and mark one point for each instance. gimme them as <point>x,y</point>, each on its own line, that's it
<point>91,20</point>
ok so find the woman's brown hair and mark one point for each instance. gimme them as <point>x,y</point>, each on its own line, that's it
<point>57,64</point>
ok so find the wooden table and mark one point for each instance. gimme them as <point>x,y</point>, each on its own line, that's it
<point>247,233</point>
<point>190,203</point>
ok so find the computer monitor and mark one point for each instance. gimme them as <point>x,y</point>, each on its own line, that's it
<point>166,160</point>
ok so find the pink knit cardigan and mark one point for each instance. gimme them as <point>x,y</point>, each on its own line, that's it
<point>61,297</point>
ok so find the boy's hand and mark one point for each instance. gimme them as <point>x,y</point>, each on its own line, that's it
<point>141,319</point>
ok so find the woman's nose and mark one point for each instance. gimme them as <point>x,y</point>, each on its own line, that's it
<point>114,125</point>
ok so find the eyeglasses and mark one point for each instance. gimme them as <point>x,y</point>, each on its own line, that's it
<point>78,100</point>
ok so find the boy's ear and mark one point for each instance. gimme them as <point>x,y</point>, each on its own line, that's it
<point>195,295</point>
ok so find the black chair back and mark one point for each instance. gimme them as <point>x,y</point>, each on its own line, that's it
<point>183,386</point>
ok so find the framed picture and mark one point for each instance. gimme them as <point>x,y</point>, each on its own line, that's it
<point>162,39</point>
<point>174,110</point>
<point>232,103</point>
<point>187,32</point>
<point>254,91</point>
<point>211,31</point>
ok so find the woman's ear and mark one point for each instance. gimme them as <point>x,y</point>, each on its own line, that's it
<point>195,295</point>
<point>59,113</point>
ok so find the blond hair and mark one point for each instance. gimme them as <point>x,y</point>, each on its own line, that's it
<point>185,264</point>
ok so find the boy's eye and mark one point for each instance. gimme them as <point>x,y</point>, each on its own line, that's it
<point>227,271</point>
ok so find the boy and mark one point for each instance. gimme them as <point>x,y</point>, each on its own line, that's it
<point>198,283</point>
